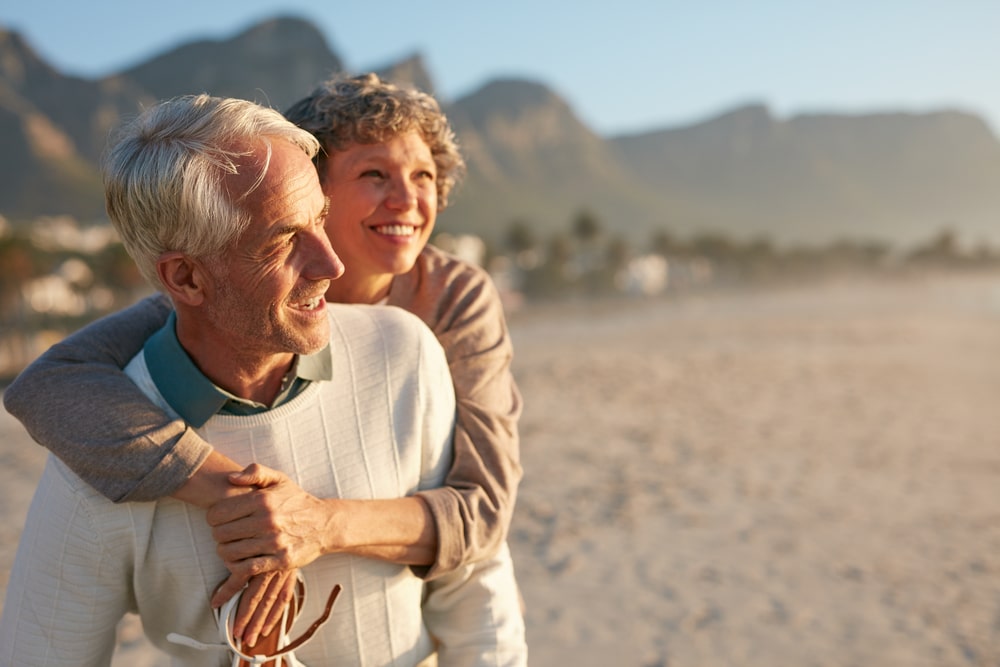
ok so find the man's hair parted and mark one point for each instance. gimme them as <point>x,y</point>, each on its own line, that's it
<point>164,174</point>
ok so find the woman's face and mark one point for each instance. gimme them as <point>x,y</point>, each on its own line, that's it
<point>383,203</point>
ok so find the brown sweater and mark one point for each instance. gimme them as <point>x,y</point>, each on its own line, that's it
<point>129,450</point>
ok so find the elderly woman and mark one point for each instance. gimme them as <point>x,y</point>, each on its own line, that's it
<point>388,164</point>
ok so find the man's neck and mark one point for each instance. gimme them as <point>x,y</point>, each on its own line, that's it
<point>260,386</point>
<point>248,375</point>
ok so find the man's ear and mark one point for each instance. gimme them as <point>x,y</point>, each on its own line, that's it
<point>182,277</point>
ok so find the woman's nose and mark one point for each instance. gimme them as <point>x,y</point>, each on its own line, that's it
<point>402,194</point>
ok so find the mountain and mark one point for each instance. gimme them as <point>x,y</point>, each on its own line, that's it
<point>894,177</point>
<point>274,63</point>
<point>531,159</point>
<point>410,72</point>
<point>55,127</point>
<point>49,125</point>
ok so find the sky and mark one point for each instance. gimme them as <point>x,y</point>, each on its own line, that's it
<point>624,66</point>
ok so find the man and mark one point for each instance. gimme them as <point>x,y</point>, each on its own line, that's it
<point>218,203</point>
<point>378,141</point>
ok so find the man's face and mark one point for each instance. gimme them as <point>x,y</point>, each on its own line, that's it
<point>384,204</point>
<point>267,292</point>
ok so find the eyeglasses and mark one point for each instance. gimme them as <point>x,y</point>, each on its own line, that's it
<point>275,646</point>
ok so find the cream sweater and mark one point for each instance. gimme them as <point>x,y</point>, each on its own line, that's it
<point>140,453</point>
<point>380,429</point>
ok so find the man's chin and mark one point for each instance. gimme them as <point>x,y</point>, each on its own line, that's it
<point>314,343</point>
<point>308,335</point>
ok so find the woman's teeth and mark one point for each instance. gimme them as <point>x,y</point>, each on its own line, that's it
<point>396,230</point>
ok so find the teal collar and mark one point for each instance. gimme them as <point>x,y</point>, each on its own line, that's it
<point>195,398</point>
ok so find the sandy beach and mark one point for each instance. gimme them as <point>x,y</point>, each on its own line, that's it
<point>807,476</point>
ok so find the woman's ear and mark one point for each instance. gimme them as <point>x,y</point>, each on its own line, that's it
<point>182,277</point>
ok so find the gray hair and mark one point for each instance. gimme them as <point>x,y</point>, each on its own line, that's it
<point>366,110</point>
<point>164,177</point>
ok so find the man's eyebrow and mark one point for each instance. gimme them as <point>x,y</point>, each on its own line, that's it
<point>294,228</point>
<point>286,230</point>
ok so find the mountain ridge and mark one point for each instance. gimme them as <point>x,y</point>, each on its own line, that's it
<point>893,176</point>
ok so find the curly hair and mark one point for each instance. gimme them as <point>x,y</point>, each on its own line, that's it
<point>366,110</point>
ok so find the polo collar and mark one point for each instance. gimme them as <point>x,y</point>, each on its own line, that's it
<point>191,394</point>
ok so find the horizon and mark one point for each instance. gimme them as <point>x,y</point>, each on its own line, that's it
<point>671,65</point>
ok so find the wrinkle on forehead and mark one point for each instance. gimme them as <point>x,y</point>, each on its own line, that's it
<point>256,158</point>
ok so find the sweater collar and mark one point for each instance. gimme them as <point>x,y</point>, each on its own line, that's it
<point>196,398</point>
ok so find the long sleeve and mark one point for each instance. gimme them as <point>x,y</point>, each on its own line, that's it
<point>474,614</point>
<point>65,570</point>
<point>462,307</point>
<point>474,611</point>
<point>76,401</point>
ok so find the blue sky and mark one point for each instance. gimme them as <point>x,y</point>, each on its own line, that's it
<point>623,65</point>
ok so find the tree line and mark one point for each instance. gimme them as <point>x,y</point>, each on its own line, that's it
<point>51,281</point>
<point>586,259</point>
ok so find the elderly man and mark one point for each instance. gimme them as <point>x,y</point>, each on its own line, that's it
<point>390,161</point>
<point>219,203</point>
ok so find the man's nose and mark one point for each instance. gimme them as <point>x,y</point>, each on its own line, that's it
<point>323,263</point>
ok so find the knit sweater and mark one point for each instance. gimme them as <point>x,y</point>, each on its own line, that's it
<point>134,451</point>
<point>380,429</point>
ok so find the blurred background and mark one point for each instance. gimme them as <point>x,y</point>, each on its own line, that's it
<point>632,149</point>
<point>749,254</point>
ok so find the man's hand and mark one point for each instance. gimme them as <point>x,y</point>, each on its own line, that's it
<point>258,552</point>
<point>261,604</point>
<point>278,526</point>
<point>274,527</point>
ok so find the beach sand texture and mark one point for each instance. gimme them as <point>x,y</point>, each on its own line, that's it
<point>805,476</point>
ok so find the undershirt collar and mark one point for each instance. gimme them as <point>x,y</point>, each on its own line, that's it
<point>196,398</point>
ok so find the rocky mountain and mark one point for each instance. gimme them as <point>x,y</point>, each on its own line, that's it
<point>49,128</point>
<point>409,72</point>
<point>896,177</point>
<point>531,159</point>
<point>274,63</point>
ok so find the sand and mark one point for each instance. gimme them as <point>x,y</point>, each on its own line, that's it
<point>805,476</point>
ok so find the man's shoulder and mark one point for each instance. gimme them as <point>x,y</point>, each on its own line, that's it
<point>388,333</point>
<point>361,322</point>
<point>138,371</point>
<point>372,316</point>
<point>58,481</point>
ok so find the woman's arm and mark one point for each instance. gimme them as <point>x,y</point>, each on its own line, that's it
<point>461,305</point>
<point>76,401</point>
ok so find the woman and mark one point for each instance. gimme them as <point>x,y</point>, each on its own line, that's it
<point>388,164</point>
